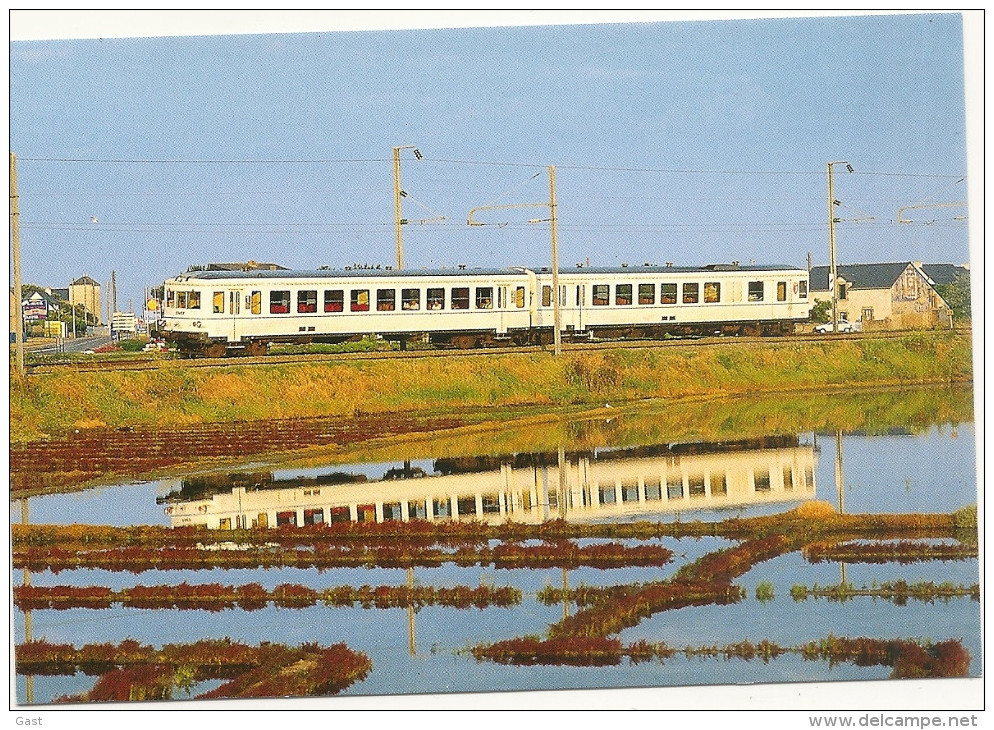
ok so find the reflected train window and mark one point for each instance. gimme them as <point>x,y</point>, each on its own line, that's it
<point>719,485</point>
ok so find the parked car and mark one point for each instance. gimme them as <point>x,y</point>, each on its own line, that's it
<point>843,326</point>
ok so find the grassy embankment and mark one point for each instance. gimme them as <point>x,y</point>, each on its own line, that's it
<point>176,395</point>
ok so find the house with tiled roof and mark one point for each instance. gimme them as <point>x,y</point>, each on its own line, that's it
<point>897,295</point>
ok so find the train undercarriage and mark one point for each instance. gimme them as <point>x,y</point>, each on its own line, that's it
<point>199,345</point>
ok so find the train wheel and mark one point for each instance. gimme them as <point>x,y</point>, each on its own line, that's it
<point>464,342</point>
<point>215,349</point>
<point>256,349</point>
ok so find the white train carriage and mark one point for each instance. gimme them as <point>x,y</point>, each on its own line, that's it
<point>215,313</point>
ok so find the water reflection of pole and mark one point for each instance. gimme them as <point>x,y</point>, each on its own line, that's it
<point>412,647</point>
<point>840,490</point>
<point>561,496</point>
<point>565,593</point>
<point>29,680</point>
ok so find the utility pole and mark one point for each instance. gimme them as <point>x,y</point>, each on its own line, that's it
<point>832,220</point>
<point>113,285</point>
<point>556,314</point>
<point>398,193</point>
<point>15,235</point>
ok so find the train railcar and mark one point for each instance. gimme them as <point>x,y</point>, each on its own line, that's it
<point>215,313</point>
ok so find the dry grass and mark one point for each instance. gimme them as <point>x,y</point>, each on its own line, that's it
<point>54,402</point>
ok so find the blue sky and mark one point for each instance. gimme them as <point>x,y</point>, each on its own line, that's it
<point>691,141</point>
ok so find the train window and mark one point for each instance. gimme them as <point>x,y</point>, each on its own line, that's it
<point>667,293</point>
<point>762,480</point>
<point>802,289</point>
<point>255,302</point>
<point>653,490</point>
<point>674,487</point>
<point>712,292</point>
<point>691,293</point>
<point>460,297</point>
<point>491,504</point>
<point>630,491</point>
<point>181,300</point>
<point>279,302</point>
<point>386,300</point>
<point>601,295</point>
<point>391,512</point>
<point>194,301</point>
<point>218,300</point>
<point>410,298</point>
<point>606,495</point>
<point>339,514</point>
<point>623,294</point>
<point>286,518</point>
<point>546,296</point>
<point>755,291</point>
<point>334,300</point>
<point>359,300</point>
<point>307,301</point>
<point>519,297</point>
<point>436,298</point>
<point>788,478</point>
<point>170,298</point>
<point>647,293</point>
<point>781,291</point>
<point>719,485</point>
<point>484,297</point>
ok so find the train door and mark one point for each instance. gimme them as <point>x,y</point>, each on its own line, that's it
<point>581,292</point>
<point>503,303</point>
<point>234,309</point>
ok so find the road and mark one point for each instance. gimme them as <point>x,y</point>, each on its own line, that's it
<point>79,344</point>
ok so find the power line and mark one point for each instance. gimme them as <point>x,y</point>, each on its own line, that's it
<point>491,163</point>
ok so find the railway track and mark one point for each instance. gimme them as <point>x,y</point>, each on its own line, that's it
<point>143,364</point>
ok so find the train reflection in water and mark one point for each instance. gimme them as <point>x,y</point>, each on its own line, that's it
<point>579,486</point>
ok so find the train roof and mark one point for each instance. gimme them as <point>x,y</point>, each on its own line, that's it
<point>366,273</point>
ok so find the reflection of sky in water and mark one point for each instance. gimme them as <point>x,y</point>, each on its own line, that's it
<point>930,472</point>
<point>933,471</point>
<point>927,472</point>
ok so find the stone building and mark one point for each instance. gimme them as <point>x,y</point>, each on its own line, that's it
<point>883,296</point>
<point>86,291</point>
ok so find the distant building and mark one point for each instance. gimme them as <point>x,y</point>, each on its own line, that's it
<point>86,291</point>
<point>124,325</point>
<point>884,296</point>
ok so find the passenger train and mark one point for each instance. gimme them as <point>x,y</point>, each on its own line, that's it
<point>217,313</point>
